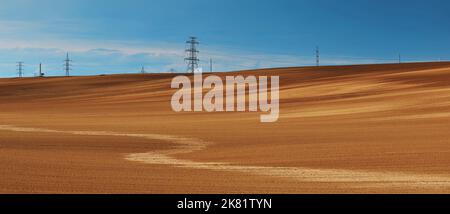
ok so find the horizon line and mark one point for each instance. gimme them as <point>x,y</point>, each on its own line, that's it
<point>235,71</point>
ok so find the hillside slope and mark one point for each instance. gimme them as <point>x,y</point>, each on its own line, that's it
<point>342,129</point>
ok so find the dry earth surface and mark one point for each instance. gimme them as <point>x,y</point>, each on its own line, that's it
<point>343,129</point>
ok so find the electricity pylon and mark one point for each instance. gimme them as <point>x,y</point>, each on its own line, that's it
<point>192,54</point>
<point>20,69</point>
<point>67,65</point>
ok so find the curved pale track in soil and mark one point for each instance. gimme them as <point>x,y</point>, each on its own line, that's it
<point>188,145</point>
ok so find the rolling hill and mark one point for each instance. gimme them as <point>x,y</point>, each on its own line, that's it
<point>342,129</point>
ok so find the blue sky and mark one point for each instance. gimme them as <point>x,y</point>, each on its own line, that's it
<point>120,36</point>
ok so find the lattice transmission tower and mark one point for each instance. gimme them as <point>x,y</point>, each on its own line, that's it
<point>67,65</point>
<point>192,59</point>
<point>20,69</point>
<point>317,56</point>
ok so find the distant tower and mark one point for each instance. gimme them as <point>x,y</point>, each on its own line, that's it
<point>192,54</point>
<point>40,70</point>
<point>20,68</point>
<point>399,59</point>
<point>67,65</point>
<point>41,74</point>
<point>143,70</point>
<point>210,65</point>
<point>317,56</point>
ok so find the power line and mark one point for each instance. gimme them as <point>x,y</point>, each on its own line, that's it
<point>192,54</point>
<point>67,65</point>
<point>20,68</point>
<point>361,58</point>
